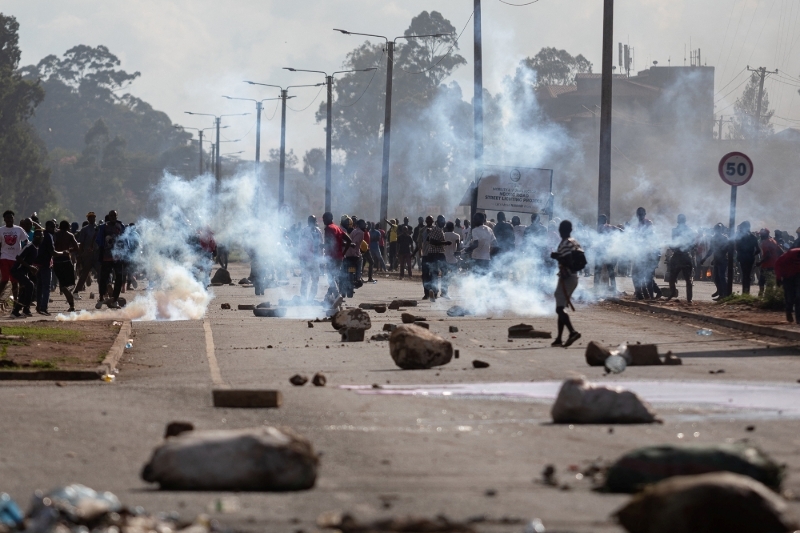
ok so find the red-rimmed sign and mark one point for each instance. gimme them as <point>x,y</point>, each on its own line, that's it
<point>735,169</point>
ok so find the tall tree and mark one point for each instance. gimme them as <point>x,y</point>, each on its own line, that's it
<point>24,177</point>
<point>555,67</point>
<point>745,124</point>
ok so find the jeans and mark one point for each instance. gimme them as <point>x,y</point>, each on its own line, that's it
<point>746,266</point>
<point>106,268</point>
<point>721,277</point>
<point>392,255</point>
<point>309,280</point>
<point>681,262</point>
<point>43,287</point>
<point>405,262</point>
<point>433,264</point>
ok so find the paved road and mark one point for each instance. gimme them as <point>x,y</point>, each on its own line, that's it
<point>381,454</point>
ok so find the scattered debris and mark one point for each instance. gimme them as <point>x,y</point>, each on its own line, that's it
<point>319,379</point>
<point>671,359</point>
<point>225,306</point>
<point>277,312</point>
<point>91,296</point>
<point>643,355</point>
<point>352,334</point>
<point>549,476</point>
<point>244,281</point>
<point>298,381</point>
<point>408,318</point>
<point>526,331</point>
<point>705,332</point>
<point>222,276</point>
<point>634,355</point>
<point>247,398</point>
<point>176,428</point>
<point>380,337</point>
<point>706,503</point>
<point>351,319</point>
<point>457,310</point>
<point>414,347</point>
<point>389,327</point>
<point>397,304</point>
<point>246,307</point>
<point>347,524</point>
<point>581,402</point>
<point>720,371</point>
<point>263,459</point>
<point>652,464</point>
<point>263,305</point>
<point>310,324</point>
<point>380,308</point>
<point>453,329</point>
<point>367,306</point>
<point>477,363</point>
<point>423,325</point>
<point>490,492</point>
<point>750,428</point>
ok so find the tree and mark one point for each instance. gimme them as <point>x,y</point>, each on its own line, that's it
<point>24,177</point>
<point>555,67</point>
<point>745,124</point>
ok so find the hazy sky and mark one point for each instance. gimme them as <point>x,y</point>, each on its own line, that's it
<point>190,52</point>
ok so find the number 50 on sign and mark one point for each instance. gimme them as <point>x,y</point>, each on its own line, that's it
<point>735,169</point>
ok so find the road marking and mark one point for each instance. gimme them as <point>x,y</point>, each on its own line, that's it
<point>216,375</point>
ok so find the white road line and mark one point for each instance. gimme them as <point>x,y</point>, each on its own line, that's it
<point>216,376</point>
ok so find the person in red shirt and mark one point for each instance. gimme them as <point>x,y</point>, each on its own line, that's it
<point>787,273</point>
<point>334,245</point>
<point>770,252</point>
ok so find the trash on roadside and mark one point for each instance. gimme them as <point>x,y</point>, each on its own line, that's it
<point>319,380</point>
<point>221,276</point>
<point>706,503</point>
<point>77,503</point>
<point>298,381</point>
<point>581,402</point>
<point>225,306</point>
<point>129,344</point>
<point>351,319</point>
<point>534,526</point>
<point>457,310</point>
<point>652,464</point>
<point>616,364</point>
<point>347,524</point>
<point>705,332</point>
<point>108,378</point>
<point>414,347</point>
<point>477,363</point>
<point>254,459</point>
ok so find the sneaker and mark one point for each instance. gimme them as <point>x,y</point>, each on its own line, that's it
<point>77,296</point>
<point>71,310</point>
<point>715,294</point>
<point>16,314</point>
<point>45,313</point>
<point>557,342</point>
<point>572,338</point>
<point>99,304</point>
<point>113,304</point>
<point>432,296</point>
<point>27,312</point>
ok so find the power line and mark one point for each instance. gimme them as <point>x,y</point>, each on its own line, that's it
<point>517,5</point>
<point>446,54</point>
<point>732,80</point>
<point>274,111</point>
<point>309,105</point>
<point>380,63</point>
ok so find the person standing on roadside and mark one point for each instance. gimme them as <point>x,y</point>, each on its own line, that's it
<point>770,252</point>
<point>405,250</point>
<point>684,243</point>
<point>720,247</point>
<point>10,247</point>
<point>392,235</point>
<point>335,242</point>
<point>107,236</point>
<point>436,260</point>
<point>482,241</point>
<point>567,254</point>
<point>44,261</point>
<point>451,257</point>
<point>309,253</point>
<point>352,259</point>
<point>747,250</point>
<point>787,274</point>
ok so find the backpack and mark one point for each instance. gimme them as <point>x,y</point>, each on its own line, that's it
<point>577,260</point>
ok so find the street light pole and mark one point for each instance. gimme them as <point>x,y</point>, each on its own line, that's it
<point>217,120</point>
<point>200,134</point>
<point>477,102</point>
<point>328,135</point>
<point>387,114</point>
<point>604,185</point>
<point>259,108</point>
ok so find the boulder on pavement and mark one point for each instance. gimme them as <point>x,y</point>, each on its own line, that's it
<point>352,334</point>
<point>389,327</point>
<point>277,312</point>
<point>408,318</point>
<point>596,354</point>
<point>255,459</point>
<point>453,329</point>
<point>263,305</point>
<point>652,464</point>
<point>245,281</point>
<point>298,381</point>
<point>225,306</point>
<point>457,310</point>
<point>414,347</point>
<point>581,402</point>
<point>397,304</point>
<point>380,308</point>
<point>477,363</point>
<point>221,276</point>
<point>351,319</point>
<point>708,503</point>
<point>643,355</point>
<point>319,379</point>
<point>246,307</point>
<point>174,429</point>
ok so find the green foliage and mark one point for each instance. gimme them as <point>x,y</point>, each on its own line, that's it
<point>555,67</point>
<point>773,297</point>
<point>45,333</point>
<point>24,177</point>
<point>47,365</point>
<point>744,125</point>
<point>739,299</point>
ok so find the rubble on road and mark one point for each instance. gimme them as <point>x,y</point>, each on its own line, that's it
<point>246,307</point>
<point>477,363</point>
<point>247,398</point>
<point>174,429</point>
<point>380,337</point>
<point>397,304</point>
<point>453,329</point>
<point>254,459</point>
<point>221,276</point>
<point>298,381</point>
<point>352,334</point>
<point>634,355</point>
<point>81,509</point>
<point>379,308</point>
<point>414,347</point>
<point>526,331</point>
<point>652,464</point>
<point>319,380</point>
<point>277,312</point>
<point>245,281</point>
<point>264,305</point>
<point>581,402</point>
<point>708,503</point>
<point>225,306</point>
<point>346,523</point>
<point>389,327</point>
<point>457,310</point>
<point>408,318</point>
<point>351,319</point>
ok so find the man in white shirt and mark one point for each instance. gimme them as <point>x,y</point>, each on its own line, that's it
<point>483,240</point>
<point>12,238</point>
<point>519,232</point>
<point>450,256</point>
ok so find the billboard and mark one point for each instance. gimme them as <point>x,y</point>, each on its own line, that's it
<point>515,189</point>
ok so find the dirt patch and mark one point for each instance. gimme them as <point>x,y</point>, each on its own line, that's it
<point>47,345</point>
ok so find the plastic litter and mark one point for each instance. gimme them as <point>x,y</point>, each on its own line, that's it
<point>535,526</point>
<point>618,361</point>
<point>705,332</point>
<point>10,513</point>
<point>109,378</point>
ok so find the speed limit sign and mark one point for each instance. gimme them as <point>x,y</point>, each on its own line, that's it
<point>735,169</point>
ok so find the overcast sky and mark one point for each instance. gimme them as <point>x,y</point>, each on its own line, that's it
<point>190,52</point>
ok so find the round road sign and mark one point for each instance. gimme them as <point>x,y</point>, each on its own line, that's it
<point>735,169</point>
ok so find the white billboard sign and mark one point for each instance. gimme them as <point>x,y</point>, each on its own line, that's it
<point>514,189</point>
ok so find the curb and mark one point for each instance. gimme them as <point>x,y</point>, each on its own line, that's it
<point>724,322</point>
<point>108,365</point>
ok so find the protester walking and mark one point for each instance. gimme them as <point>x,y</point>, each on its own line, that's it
<point>571,260</point>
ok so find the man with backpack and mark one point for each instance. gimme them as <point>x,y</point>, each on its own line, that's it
<point>571,260</point>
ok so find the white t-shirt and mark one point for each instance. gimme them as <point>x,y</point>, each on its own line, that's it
<point>485,237</point>
<point>519,235</point>
<point>12,239</point>
<point>450,251</point>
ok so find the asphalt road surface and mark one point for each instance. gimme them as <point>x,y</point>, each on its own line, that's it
<point>386,454</point>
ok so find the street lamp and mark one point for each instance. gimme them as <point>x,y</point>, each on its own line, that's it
<point>217,118</point>
<point>283,97</point>
<point>200,134</point>
<point>258,122</point>
<point>387,121</point>
<point>329,83</point>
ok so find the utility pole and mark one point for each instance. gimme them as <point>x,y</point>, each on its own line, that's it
<point>213,155</point>
<point>762,73</point>
<point>282,165</point>
<point>604,186</point>
<point>258,134</point>
<point>218,167</point>
<point>201,152</point>
<point>477,101</point>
